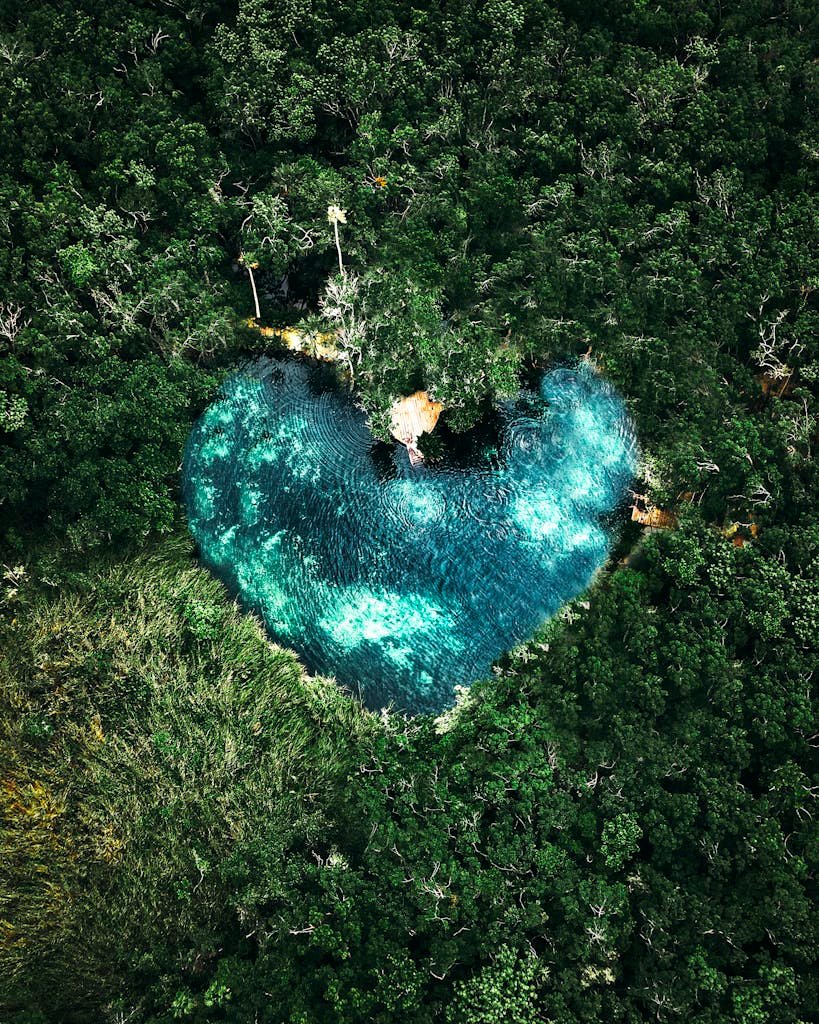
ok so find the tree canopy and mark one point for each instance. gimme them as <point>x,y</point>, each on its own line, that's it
<point>619,825</point>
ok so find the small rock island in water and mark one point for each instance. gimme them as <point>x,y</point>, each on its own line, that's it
<point>402,581</point>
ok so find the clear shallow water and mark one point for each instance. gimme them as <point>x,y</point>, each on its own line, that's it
<point>403,582</point>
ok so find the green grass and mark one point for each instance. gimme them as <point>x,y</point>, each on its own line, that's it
<point>149,732</point>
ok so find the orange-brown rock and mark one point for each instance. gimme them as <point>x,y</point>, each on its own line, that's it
<point>412,416</point>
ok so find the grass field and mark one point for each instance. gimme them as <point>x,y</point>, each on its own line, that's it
<point>141,709</point>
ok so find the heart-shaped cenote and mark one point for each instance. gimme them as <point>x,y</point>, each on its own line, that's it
<point>401,581</point>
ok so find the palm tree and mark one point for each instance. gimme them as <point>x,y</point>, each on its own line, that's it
<point>336,216</point>
<point>249,267</point>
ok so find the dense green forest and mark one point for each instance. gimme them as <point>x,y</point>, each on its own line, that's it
<point>621,824</point>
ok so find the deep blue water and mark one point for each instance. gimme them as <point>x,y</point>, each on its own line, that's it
<point>403,582</point>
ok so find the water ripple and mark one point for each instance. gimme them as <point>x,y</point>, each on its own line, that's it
<point>402,583</point>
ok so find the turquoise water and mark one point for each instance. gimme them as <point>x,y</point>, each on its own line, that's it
<point>401,582</point>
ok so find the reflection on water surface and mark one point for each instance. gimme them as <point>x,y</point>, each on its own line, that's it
<point>403,582</point>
